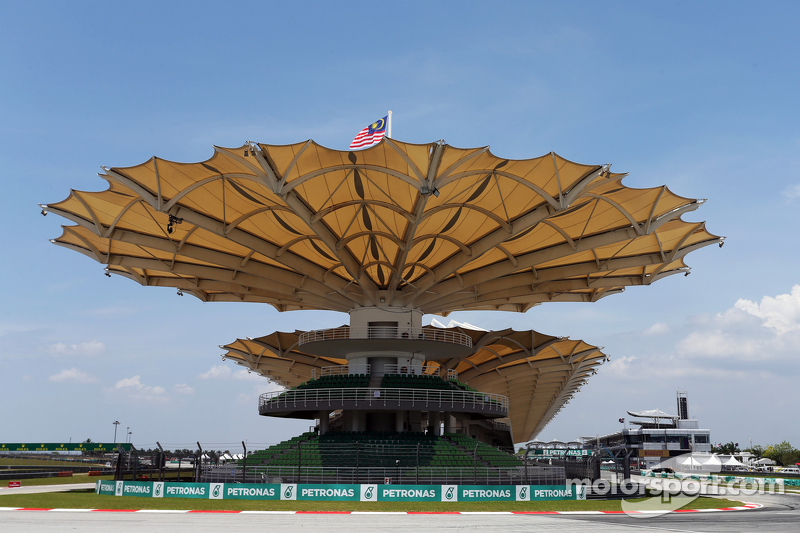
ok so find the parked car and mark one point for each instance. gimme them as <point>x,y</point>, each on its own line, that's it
<point>665,470</point>
<point>790,470</point>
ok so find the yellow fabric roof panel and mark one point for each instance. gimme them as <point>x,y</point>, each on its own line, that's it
<point>416,225</point>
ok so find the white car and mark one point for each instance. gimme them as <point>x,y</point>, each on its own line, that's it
<point>790,470</point>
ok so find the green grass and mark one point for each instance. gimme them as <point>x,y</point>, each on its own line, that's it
<point>89,500</point>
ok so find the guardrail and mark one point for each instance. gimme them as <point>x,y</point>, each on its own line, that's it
<point>368,396</point>
<point>341,370</point>
<point>422,475</point>
<point>346,333</point>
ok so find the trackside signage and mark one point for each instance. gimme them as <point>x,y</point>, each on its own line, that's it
<point>364,493</point>
<point>561,453</point>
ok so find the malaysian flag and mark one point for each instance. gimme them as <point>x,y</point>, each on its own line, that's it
<point>370,135</point>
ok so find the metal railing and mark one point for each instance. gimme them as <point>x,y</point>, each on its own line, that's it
<point>396,475</point>
<point>341,370</point>
<point>431,334</point>
<point>368,396</point>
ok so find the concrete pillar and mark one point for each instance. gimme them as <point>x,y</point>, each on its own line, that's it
<point>436,422</point>
<point>399,418</point>
<point>415,421</point>
<point>323,421</point>
<point>448,423</point>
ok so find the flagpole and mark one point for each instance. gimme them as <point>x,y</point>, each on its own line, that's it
<point>389,125</point>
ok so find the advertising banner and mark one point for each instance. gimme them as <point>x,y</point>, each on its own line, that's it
<point>107,487</point>
<point>136,488</point>
<point>364,493</point>
<point>186,490</point>
<point>246,491</point>
<point>407,493</point>
<point>64,447</point>
<point>555,452</point>
<point>329,493</point>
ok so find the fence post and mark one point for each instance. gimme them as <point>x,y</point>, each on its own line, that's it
<point>417,472</point>
<point>197,464</point>
<point>358,468</point>
<point>136,461</point>
<point>475,465</point>
<point>244,464</point>
<point>161,461</point>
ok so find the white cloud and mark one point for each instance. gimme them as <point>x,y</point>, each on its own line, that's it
<point>781,313</point>
<point>619,366</point>
<point>136,390</point>
<point>72,375</point>
<point>792,191</point>
<point>217,372</point>
<point>248,376</point>
<point>183,388</point>
<point>659,328</point>
<point>250,398</point>
<point>92,347</point>
<point>225,372</point>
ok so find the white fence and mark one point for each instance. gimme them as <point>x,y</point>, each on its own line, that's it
<point>367,396</point>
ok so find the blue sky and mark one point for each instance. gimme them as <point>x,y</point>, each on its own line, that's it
<point>700,97</point>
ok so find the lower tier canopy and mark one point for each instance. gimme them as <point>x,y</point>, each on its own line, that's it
<point>539,374</point>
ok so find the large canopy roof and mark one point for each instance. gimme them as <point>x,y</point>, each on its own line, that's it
<point>537,372</point>
<point>424,226</point>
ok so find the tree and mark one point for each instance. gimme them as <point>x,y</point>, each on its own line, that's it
<point>784,453</point>
<point>757,451</point>
<point>727,449</point>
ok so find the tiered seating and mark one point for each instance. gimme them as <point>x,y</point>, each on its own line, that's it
<point>447,455</point>
<point>279,453</point>
<point>379,449</point>
<point>376,449</point>
<point>462,386</point>
<point>337,382</point>
<point>415,381</point>
<point>487,453</point>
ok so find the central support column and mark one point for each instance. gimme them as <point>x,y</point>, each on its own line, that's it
<point>436,422</point>
<point>324,417</point>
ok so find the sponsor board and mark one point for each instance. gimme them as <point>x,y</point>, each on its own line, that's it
<point>288,491</point>
<point>482,493</point>
<point>561,453</point>
<point>64,447</point>
<point>249,491</point>
<point>107,488</point>
<point>409,493</point>
<point>186,490</point>
<point>215,491</point>
<point>541,493</point>
<point>364,493</point>
<point>369,493</point>
<point>141,489</point>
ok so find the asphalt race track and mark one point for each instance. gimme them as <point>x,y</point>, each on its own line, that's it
<point>781,514</point>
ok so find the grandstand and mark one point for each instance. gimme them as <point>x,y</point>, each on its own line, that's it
<point>386,235</point>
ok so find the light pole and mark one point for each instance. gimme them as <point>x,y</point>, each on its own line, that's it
<point>116,423</point>
<point>127,433</point>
